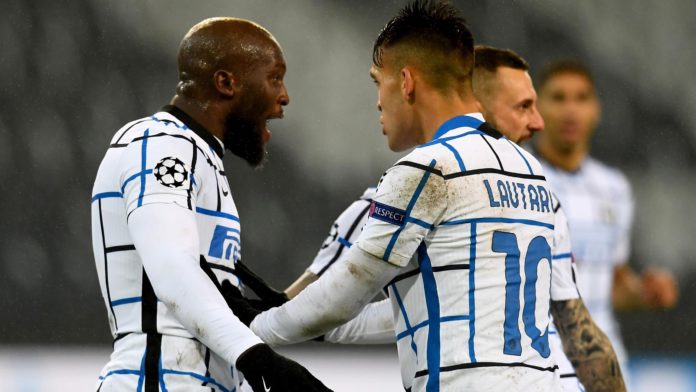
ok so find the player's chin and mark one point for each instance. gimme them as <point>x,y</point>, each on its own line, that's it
<point>398,145</point>
<point>523,138</point>
<point>258,159</point>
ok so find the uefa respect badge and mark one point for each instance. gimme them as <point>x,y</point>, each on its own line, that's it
<point>388,214</point>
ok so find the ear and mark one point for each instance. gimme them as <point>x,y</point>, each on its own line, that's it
<point>225,83</point>
<point>408,84</point>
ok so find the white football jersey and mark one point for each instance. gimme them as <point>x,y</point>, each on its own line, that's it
<point>470,217</point>
<point>165,158</point>
<point>599,206</point>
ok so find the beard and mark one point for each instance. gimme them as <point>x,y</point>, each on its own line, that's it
<point>243,137</point>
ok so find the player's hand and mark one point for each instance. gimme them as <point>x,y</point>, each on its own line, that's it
<point>241,307</point>
<point>268,296</point>
<point>659,289</point>
<point>266,371</point>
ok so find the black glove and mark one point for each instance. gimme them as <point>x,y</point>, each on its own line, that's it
<point>241,307</point>
<point>268,296</point>
<point>266,371</point>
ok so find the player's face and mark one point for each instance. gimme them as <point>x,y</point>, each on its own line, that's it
<point>262,97</point>
<point>512,105</point>
<point>396,116</point>
<point>570,109</point>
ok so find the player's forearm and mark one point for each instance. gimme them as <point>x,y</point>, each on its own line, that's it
<point>165,238</point>
<point>587,347</point>
<point>300,284</point>
<point>327,303</point>
<point>373,325</point>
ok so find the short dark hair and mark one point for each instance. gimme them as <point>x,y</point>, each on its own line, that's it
<point>487,60</point>
<point>563,67</point>
<point>434,34</point>
<point>490,59</point>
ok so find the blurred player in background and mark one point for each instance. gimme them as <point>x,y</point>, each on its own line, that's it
<point>508,100</point>
<point>446,241</point>
<point>597,200</point>
<point>166,229</point>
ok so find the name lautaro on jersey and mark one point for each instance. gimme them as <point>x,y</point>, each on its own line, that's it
<point>519,195</point>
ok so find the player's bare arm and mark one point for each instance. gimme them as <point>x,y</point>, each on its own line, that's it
<point>300,284</point>
<point>589,350</point>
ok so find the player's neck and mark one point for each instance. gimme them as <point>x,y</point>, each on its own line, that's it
<point>201,112</point>
<point>435,109</point>
<point>566,159</point>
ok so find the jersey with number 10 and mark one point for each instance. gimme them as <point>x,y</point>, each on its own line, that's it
<point>470,218</point>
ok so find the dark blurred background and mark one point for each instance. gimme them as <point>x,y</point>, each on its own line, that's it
<point>73,72</point>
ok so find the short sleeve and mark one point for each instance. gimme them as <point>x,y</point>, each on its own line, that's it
<point>342,234</point>
<point>409,202</point>
<point>157,168</point>
<point>563,285</point>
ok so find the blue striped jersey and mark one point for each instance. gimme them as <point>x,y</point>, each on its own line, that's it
<point>470,218</point>
<point>160,159</point>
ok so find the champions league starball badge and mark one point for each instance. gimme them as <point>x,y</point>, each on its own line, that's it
<point>171,172</point>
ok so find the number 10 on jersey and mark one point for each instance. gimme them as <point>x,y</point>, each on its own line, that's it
<point>537,250</point>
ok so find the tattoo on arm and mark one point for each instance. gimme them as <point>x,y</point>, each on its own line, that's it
<point>587,347</point>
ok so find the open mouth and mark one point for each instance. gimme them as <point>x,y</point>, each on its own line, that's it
<point>267,132</point>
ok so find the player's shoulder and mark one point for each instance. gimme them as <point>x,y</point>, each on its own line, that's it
<point>603,173</point>
<point>434,159</point>
<point>156,124</point>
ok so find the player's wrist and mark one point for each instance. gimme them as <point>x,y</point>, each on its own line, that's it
<point>254,355</point>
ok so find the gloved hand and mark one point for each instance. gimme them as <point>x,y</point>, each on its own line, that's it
<point>268,296</point>
<point>241,307</point>
<point>266,371</point>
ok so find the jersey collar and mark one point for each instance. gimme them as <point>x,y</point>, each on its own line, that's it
<point>197,128</point>
<point>471,120</point>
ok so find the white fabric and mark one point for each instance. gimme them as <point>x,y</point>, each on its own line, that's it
<point>373,325</point>
<point>564,286</point>
<point>165,236</point>
<point>327,303</point>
